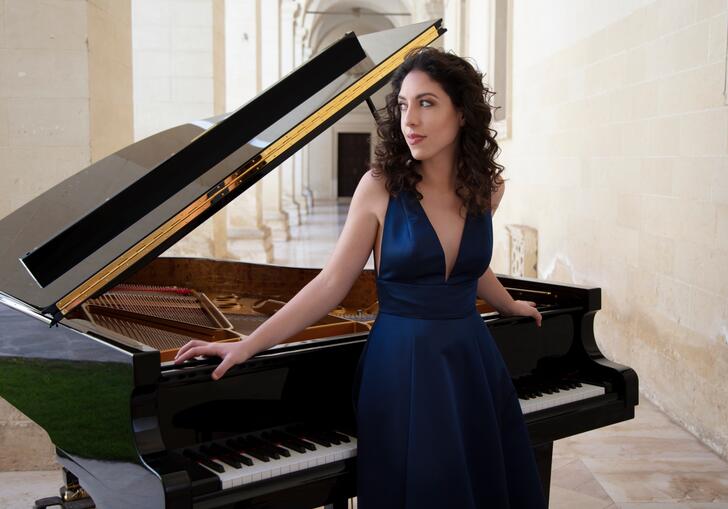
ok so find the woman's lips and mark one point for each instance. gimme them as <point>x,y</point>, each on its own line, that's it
<point>414,139</point>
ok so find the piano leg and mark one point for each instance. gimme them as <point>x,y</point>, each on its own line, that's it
<point>338,504</point>
<point>543,461</point>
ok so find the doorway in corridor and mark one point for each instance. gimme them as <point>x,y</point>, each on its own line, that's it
<point>352,161</point>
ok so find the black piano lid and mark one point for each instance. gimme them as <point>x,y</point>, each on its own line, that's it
<point>111,218</point>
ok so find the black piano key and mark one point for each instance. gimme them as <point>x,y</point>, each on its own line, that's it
<point>251,451</point>
<point>331,437</point>
<point>229,461</point>
<point>227,451</point>
<point>202,451</point>
<point>226,455</point>
<point>289,441</point>
<point>342,437</point>
<point>270,437</point>
<point>277,448</point>
<point>282,450</point>
<point>262,446</point>
<point>304,443</point>
<point>309,435</point>
<point>210,453</point>
<point>328,435</point>
<point>243,458</point>
<point>317,440</point>
<point>291,444</point>
<point>203,461</point>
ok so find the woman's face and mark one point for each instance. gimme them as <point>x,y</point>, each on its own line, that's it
<point>429,121</point>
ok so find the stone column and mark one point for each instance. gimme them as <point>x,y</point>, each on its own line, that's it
<point>300,36</point>
<point>219,95</point>
<point>274,215</point>
<point>288,13</point>
<point>249,238</point>
<point>306,191</point>
<point>174,46</point>
<point>65,101</point>
<point>455,22</point>
<point>111,109</point>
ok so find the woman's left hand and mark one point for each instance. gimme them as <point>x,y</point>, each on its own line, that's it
<point>524,308</point>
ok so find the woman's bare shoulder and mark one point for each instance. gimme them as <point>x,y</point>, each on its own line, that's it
<point>372,186</point>
<point>371,194</point>
<point>373,183</point>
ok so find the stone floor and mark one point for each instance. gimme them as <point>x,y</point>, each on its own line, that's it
<point>312,243</point>
<point>646,463</point>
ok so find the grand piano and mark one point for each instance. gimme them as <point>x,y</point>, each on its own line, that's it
<point>91,316</point>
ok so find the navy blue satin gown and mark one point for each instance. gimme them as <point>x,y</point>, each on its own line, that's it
<point>439,424</point>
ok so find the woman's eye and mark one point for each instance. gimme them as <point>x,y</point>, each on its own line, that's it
<point>402,106</point>
<point>425,102</point>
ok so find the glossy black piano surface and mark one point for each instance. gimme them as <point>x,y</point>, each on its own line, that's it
<point>140,432</point>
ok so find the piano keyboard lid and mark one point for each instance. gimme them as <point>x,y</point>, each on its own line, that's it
<point>94,228</point>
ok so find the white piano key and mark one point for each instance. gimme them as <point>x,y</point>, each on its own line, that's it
<point>295,462</point>
<point>229,478</point>
<point>562,397</point>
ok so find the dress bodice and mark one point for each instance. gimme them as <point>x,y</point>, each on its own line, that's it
<point>411,279</point>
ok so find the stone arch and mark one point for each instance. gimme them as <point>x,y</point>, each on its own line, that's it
<point>329,22</point>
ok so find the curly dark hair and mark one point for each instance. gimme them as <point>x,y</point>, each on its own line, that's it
<point>477,175</point>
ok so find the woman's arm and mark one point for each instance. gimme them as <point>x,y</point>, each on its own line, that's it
<point>493,292</point>
<point>319,296</point>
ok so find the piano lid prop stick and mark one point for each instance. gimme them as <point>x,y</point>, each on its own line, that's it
<point>373,109</point>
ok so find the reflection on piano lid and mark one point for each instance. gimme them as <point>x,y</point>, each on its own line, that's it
<point>91,230</point>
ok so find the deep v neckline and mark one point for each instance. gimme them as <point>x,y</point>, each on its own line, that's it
<point>446,276</point>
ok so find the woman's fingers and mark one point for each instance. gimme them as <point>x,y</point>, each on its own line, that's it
<point>188,354</point>
<point>194,351</point>
<point>221,369</point>
<point>188,345</point>
<point>230,354</point>
<point>537,316</point>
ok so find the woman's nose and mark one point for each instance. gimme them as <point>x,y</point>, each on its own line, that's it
<point>410,117</point>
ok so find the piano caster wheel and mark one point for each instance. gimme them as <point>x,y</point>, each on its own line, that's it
<point>82,503</point>
<point>47,502</point>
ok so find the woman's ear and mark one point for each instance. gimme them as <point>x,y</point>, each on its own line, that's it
<point>461,118</point>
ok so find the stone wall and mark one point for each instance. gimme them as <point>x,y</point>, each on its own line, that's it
<point>619,158</point>
<point>44,97</point>
<point>65,101</point>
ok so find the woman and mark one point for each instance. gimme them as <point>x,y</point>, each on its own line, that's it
<point>439,424</point>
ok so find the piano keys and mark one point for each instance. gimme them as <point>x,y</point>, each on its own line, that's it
<point>535,397</point>
<point>268,454</point>
<point>135,430</point>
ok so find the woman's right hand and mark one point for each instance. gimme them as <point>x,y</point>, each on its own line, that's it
<point>230,353</point>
